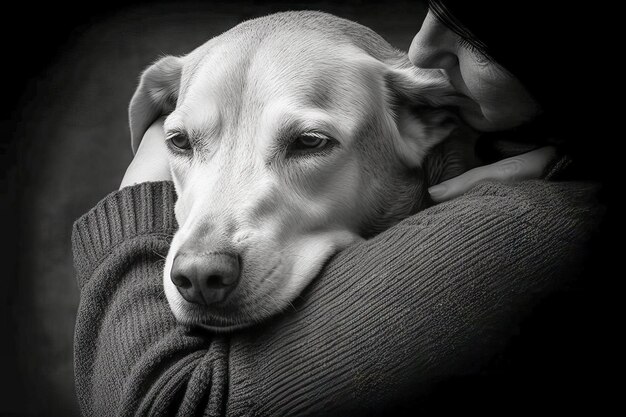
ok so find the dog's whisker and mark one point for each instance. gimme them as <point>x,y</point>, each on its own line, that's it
<point>160,255</point>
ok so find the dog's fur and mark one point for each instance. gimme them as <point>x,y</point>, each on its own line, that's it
<point>242,98</point>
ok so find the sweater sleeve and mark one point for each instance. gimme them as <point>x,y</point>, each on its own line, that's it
<point>131,357</point>
<point>433,297</point>
<point>388,317</point>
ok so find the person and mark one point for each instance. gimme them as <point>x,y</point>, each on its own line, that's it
<point>503,57</point>
<point>387,321</point>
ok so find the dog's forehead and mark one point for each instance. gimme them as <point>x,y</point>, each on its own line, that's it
<point>314,63</point>
<point>240,74</point>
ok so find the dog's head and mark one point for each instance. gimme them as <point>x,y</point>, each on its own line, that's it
<point>291,136</point>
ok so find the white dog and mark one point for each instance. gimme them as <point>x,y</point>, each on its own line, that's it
<point>292,136</point>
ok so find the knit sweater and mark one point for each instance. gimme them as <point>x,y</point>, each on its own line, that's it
<point>436,295</point>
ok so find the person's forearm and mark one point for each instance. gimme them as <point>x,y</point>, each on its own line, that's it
<point>131,357</point>
<point>433,297</point>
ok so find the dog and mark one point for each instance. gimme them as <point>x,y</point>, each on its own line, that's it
<point>291,137</point>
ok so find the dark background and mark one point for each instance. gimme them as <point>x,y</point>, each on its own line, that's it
<point>68,76</point>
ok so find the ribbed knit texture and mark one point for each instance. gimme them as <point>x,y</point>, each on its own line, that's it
<point>436,295</point>
<point>130,356</point>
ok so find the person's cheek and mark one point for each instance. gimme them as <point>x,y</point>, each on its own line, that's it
<point>478,77</point>
<point>493,94</point>
<point>497,99</point>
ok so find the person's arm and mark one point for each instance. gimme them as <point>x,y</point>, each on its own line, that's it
<point>435,296</point>
<point>151,162</point>
<point>431,297</point>
<point>131,357</point>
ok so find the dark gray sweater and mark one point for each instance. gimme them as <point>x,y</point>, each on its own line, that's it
<point>434,296</point>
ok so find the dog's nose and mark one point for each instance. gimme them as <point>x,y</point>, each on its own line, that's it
<point>205,278</point>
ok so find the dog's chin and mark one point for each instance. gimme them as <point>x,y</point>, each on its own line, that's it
<point>233,315</point>
<point>238,312</point>
<point>198,316</point>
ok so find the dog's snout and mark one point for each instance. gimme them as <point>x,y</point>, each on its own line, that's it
<point>205,278</point>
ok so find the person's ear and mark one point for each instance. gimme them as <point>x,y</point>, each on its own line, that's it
<point>155,96</point>
<point>422,104</point>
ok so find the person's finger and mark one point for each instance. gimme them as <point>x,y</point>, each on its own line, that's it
<point>518,168</point>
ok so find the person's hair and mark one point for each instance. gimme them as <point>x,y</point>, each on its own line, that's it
<point>443,14</point>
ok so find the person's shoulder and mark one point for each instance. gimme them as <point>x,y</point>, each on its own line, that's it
<point>565,207</point>
<point>561,210</point>
<point>534,195</point>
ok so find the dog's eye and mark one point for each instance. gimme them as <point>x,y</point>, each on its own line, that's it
<point>309,141</point>
<point>179,140</point>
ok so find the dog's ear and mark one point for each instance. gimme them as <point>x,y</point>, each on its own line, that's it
<point>422,103</point>
<point>155,96</point>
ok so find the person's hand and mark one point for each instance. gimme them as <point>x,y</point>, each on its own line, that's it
<point>151,162</point>
<point>527,166</point>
